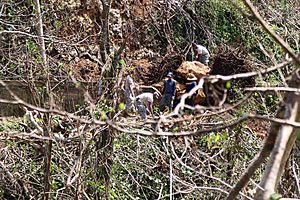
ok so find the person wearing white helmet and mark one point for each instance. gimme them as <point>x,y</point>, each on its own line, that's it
<point>191,82</point>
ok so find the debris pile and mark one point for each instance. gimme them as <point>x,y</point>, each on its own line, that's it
<point>186,67</point>
<point>153,69</point>
<point>228,61</point>
<point>195,67</point>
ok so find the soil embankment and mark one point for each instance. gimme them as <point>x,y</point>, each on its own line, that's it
<point>68,96</point>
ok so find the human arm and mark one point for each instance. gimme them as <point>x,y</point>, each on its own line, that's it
<point>164,87</point>
<point>132,91</point>
<point>131,87</point>
<point>196,52</point>
<point>150,108</point>
<point>174,88</point>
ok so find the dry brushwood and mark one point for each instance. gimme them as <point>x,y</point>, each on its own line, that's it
<point>228,61</point>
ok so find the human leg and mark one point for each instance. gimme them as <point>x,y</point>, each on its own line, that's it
<point>142,110</point>
<point>162,103</point>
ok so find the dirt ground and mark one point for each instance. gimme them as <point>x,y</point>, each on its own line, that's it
<point>259,127</point>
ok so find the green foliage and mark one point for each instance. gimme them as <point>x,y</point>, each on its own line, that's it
<point>56,184</point>
<point>272,102</point>
<point>226,22</point>
<point>10,124</point>
<point>32,46</point>
<point>273,79</point>
<point>121,106</point>
<point>57,24</point>
<point>126,173</point>
<point>157,40</point>
<point>179,24</point>
<point>268,44</point>
<point>96,186</point>
<point>212,140</point>
<point>103,109</point>
<point>228,85</point>
<point>275,196</point>
<point>122,62</point>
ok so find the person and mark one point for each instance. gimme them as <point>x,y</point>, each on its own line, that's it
<point>201,53</point>
<point>168,94</point>
<point>191,83</point>
<point>129,93</point>
<point>144,103</point>
<point>141,108</point>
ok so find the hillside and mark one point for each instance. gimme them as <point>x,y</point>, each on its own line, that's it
<point>243,133</point>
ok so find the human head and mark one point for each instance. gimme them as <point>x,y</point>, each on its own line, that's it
<point>194,45</point>
<point>170,75</point>
<point>191,77</point>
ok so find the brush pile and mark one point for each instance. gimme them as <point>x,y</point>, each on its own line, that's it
<point>228,61</point>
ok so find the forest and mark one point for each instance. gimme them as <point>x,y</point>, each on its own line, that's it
<point>64,133</point>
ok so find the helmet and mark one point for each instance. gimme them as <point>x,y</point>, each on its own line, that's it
<point>191,77</point>
<point>170,74</point>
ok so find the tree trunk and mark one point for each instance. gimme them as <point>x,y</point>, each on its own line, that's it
<point>283,145</point>
<point>104,37</point>
<point>40,32</point>
<point>46,130</point>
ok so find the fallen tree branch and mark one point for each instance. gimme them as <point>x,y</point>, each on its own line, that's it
<point>284,143</point>
<point>269,30</point>
<point>280,125</point>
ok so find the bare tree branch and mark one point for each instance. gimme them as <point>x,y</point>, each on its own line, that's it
<point>283,145</point>
<point>283,114</point>
<point>277,38</point>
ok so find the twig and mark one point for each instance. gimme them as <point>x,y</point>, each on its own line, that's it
<point>197,172</point>
<point>171,178</point>
<point>275,89</point>
<point>280,125</point>
<point>285,139</point>
<point>10,176</point>
<point>296,176</point>
<point>160,191</point>
<point>277,38</point>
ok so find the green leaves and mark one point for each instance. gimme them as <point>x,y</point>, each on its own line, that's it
<point>122,62</point>
<point>228,85</point>
<point>32,46</point>
<point>121,106</point>
<point>57,24</point>
<point>275,196</point>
